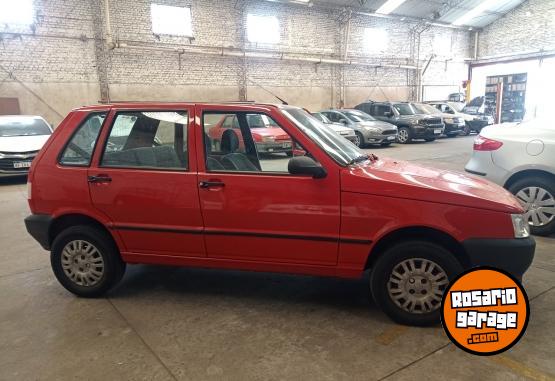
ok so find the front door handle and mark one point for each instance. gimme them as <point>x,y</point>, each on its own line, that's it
<point>210,184</point>
<point>99,179</point>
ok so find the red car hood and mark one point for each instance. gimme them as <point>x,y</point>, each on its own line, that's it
<point>396,178</point>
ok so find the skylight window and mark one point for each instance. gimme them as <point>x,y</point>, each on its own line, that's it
<point>171,20</point>
<point>375,40</point>
<point>263,29</point>
<point>16,12</point>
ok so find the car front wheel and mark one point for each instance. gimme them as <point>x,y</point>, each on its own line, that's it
<point>409,279</point>
<point>537,196</point>
<point>359,140</point>
<point>86,261</point>
<point>403,135</point>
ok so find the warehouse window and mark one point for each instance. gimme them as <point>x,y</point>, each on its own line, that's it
<point>16,12</point>
<point>171,20</point>
<point>263,29</point>
<point>375,40</point>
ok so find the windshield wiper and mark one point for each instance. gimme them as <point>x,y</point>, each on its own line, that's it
<point>360,158</point>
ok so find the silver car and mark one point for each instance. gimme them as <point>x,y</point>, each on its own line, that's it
<point>346,132</point>
<point>521,157</point>
<point>368,130</point>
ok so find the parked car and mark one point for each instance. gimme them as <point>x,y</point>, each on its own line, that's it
<point>454,125</point>
<point>457,97</point>
<point>521,158</point>
<point>346,132</point>
<point>267,135</point>
<point>334,211</point>
<point>410,122</point>
<point>367,129</point>
<point>477,107</point>
<point>472,122</point>
<point>21,138</point>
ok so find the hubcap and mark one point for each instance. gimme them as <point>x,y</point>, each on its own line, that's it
<point>416,285</point>
<point>82,263</point>
<point>403,136</point>
<point>539,205</point>
<point>357,140</point>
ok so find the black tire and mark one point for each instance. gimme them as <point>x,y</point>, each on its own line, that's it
<point>452,135</point>
<point>544,183</point>
<point>360,140</point>
<point>401,132</point>
<point>289,153</point>
<point>393,257</point>
<point>113,266</point>
<point>466,130</point>
<point>430,139</point>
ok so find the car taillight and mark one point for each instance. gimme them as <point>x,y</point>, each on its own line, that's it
<point>257,138</point>
<point>485,144</point>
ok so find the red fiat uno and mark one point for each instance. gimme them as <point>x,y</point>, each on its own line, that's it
<point>146,183</point>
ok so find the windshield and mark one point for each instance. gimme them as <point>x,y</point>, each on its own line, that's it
<point>405,109</point>
<point>339,148</point>
<point>456,106</point>
<point>260,121</point>
<point>322,118</point>
<point>425,109</point>
<point>18,126</point>
<point>357,116</point>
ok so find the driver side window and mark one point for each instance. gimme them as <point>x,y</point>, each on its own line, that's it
<point>254,142</point>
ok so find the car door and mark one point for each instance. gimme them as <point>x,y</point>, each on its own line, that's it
<point>143,178</point>
<point>253,209</point>
<point>382,112</point>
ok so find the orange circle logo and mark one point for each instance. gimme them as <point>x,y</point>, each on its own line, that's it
<point>485,311</point>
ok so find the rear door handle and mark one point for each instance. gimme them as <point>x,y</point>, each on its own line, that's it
<point>210,184</point>
<point>99,179</point>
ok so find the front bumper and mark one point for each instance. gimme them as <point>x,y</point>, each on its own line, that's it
<point>379,138</point>
<point>512,255</point>
<point>428,132</point>
<point>38,225</point>
<point>274,147</point>
<point>453,128</point>
<point>16,164</point>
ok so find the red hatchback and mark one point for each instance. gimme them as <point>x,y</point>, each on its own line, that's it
<point>153,183</point>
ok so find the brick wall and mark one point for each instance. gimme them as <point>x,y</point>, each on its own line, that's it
<point>61,50</point>
<point>529,27</point>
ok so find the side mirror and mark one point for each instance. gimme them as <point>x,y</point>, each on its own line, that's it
<point>304,165</point>
<point>388,114</point>
<point>343,121</point>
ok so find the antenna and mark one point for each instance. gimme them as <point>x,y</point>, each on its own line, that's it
<point>268,91</point>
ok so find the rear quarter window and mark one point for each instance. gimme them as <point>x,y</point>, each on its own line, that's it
<point>79,149</point>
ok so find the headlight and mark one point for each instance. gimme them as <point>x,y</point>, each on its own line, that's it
<point>520,226</point>
<point>268,139</point>
<point>372,130</point>
<point>449,120</point>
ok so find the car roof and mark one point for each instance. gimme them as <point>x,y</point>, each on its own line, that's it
<point>147,104</point>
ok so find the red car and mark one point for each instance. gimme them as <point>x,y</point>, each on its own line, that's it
<point>144,183</point>
<point>267,135</point>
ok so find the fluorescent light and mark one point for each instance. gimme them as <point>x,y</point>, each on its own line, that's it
<point>389,6</point>
<point>483,6</point>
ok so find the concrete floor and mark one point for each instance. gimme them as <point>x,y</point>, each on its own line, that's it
<point>191,324</point>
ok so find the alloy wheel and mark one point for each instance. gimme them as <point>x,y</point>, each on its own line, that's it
<point>358,140</point>
<point>82,263</point>
<point>539,205</point>
<point>403,136</point>
<point>416,285</point>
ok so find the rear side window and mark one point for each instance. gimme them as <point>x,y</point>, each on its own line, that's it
<point>79,149</point>
<point>147,139</point>
<point>380,110</point>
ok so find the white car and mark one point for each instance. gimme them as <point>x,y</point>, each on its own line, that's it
<point>21,138</point>
<point>521,158</point>
<point>473,122</point>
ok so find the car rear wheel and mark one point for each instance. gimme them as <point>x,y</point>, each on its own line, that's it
<point>409,279</point>
<point>359,140</point>
<point>537,196</point>
<point>403,135</point>
<point>86,261</point>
